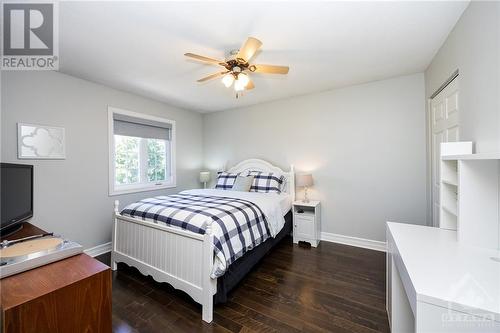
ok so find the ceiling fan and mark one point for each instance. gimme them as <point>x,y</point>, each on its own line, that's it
<point>237,66</point>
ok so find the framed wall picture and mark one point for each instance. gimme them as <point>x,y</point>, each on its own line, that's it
<point>40,142</point>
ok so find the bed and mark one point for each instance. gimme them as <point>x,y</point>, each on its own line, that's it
<point>191,257</point>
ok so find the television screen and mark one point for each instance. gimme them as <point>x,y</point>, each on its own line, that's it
<point>16,182</point>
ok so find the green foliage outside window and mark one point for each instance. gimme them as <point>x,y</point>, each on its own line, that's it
<point>128,160</point>
<point>156,159</point>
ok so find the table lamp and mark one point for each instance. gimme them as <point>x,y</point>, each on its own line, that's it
<point>305,181</point>
<point>204,178</point>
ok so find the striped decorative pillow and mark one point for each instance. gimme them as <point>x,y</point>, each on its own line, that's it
<point>225,180</point>
<point>266,182</point>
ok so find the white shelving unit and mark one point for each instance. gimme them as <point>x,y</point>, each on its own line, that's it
<point>448,213</point>
<point>470,194</point>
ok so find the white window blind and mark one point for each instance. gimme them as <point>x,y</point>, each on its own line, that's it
<point>141,128</point>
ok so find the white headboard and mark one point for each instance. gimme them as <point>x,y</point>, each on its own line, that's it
<point>255,164</point>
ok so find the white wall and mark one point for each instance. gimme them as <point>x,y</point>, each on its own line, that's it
<point>71,195</point>
<point>365,146</point>
<point>473,47</point>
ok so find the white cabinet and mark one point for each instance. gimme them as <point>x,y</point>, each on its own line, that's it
<point>306,222</point>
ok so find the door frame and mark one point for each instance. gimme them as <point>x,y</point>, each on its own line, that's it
<point>428,116</point>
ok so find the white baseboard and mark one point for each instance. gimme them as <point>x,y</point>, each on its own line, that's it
<point>354,241</point>
<point>98,250</point>
<point>325,236</point>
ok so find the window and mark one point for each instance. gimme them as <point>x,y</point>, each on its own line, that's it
<point>142,151</point>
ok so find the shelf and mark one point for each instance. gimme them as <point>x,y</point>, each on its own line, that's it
<point>449,210</point>
<point>480,156</point>
<point>311,203</point>
<point>449,182</point>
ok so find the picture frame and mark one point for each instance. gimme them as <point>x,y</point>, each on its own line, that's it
<point>39,142</point>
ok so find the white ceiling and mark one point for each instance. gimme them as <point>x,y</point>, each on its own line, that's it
<point>139,46</point>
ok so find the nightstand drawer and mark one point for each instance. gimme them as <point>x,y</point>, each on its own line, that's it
<point>305,216</point>
<point>304,227</point>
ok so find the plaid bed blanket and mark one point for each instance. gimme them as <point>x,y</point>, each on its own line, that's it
<point>238,225</point>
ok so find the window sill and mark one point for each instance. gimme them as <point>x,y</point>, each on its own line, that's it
<point>141,189</point>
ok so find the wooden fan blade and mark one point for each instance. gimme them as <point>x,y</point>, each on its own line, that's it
<point>250,85</point>
<point>271,69</point>
<point>213,76</point>
<point>204,59</point>
<point>248,49</point>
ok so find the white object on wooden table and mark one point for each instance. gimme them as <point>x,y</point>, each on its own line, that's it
<point>179,257</point>
<point>307,222</point>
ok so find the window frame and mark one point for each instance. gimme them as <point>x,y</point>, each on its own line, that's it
<point>170,158</point>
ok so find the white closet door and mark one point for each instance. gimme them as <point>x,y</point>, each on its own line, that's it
<point>444,128</point>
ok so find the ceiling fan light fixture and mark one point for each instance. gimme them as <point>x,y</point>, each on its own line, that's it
<point>228,80</point>
<point>243,79</point>
<point>238,86</point>
<point>237,67</point>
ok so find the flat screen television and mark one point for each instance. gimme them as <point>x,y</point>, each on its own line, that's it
<point>16,206</point>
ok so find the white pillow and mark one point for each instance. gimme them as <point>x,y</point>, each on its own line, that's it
<point>242,183</point>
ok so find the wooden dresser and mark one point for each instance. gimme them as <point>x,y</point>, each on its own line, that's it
<point>71,295</point>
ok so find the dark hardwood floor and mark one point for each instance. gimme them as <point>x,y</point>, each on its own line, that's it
<point>333,288</point>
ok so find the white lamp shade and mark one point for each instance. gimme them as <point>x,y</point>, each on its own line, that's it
<point>238,85</point>
<point>204,177</point>
<point>304,180</point>
<point>243,79</point>
<point>228,80</point>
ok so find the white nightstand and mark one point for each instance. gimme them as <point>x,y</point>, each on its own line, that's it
<point>306,222</point>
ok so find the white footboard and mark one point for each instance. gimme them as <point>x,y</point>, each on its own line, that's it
<point>181,258</point>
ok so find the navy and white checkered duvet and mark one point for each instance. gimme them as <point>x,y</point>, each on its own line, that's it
<point>238,225</point>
